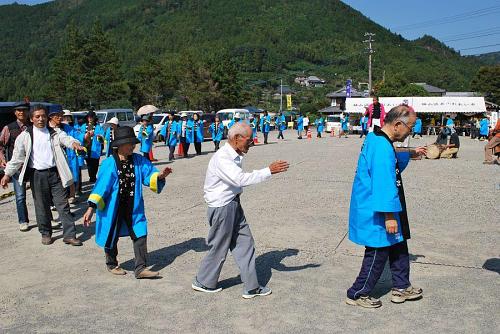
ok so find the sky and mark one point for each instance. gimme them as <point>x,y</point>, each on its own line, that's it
<point>468,26</point>
<point>453,22</point>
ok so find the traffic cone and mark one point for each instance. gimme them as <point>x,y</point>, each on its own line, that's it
<point>151,157</point>
<point>309,134</point>
<point>332,133</point>
<point>180,150</point>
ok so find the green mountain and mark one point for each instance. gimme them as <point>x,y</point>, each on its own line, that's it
<point>266,39</point>
<point>491,58</point>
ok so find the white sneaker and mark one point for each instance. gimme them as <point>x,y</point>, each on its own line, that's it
<point>55,224</point>
<point>23,227</point>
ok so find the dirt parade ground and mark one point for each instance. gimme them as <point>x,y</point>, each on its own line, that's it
<point>299,221</point>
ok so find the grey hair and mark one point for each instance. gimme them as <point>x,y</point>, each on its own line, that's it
<point>238,129</point>
<point>401,112</point>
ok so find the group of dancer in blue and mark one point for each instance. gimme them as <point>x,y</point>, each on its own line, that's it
<point>378,219</point>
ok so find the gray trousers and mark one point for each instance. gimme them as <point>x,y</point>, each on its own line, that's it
<point>228,231</point>
<point>140,252</point>
<point>46,185</point>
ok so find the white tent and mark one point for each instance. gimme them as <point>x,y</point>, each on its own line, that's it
<point>431,104</point>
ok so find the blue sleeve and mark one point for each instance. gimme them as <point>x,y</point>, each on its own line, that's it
<point>385,197</point>
<point>150,174</point>
<point>163,130</point>
<point>104,184</point>
<point>403,160</point>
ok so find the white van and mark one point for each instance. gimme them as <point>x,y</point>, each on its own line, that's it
<point>226,115</point>
<point>333,122</point>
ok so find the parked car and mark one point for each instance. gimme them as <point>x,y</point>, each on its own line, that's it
<point>226,115</point>
<point>126,117</point>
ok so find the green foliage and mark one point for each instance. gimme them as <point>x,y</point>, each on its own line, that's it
<point>204,53</point>
<point>487,81</point>
<point>398,85</point>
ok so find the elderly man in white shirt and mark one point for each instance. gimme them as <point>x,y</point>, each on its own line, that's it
<point>229,230</point>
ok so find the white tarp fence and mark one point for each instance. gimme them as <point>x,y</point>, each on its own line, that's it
<point>431,104</point>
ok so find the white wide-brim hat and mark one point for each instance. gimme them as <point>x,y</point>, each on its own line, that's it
<point>113,120</point>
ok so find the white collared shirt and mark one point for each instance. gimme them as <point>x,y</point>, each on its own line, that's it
<point>225,179</point>
<point>42,156</point>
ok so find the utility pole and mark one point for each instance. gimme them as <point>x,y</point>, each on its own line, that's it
<point>281,95</point>
<point>370,52</point>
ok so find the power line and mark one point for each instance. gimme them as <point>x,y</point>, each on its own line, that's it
<point>475,36</point>
<point>451,19</point>
<point>472,32</point>
<point>480,47</point>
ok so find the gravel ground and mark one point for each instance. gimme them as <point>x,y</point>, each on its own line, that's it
<point>299,220</point>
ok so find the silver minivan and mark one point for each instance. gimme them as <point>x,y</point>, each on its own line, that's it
<point>126,117</point>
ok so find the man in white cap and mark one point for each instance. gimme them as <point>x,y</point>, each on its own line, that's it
<point>110,134</point>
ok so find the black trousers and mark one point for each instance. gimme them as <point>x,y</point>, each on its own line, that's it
<point>216,144</point>
<point>146,155</point>
<point>197,147</point>
<point>280,135</point>
<point>318,135</point>
<point>140,253</point>
<point>171,151</point>
<point>46,187</point>
<point>363,133</point>
<point>373,266</point>
<point>92,167</point>
<point>265,137</point>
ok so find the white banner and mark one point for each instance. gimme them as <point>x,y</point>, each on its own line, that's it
<point>431,104</point>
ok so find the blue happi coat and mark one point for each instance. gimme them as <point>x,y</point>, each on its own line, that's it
<point>281,123</point>
<point>417,128</point>
<point>253,125</point>
<point>105,196</point>
<point>345,122</point>
<point>320,124</point>
<point>146,136</point>
<point>449,122</point>
<point>174,133</point>
<point>377,189</point>
<point>265,124</point>
<point>300,123</point>
<point>107,141</point>
<point>216,136</point>
<point>71,155</point>
<point>77,129</point>
<point>97,141</point>
<point>484,127</point>
<point>194,128</point>
<point>364,123</point>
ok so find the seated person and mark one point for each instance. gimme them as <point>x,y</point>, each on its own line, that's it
<point>446,145</point>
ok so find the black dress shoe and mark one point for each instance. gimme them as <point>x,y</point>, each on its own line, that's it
<point>73,242</point>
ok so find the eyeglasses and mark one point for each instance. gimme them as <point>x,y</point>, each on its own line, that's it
<point>405,125</point>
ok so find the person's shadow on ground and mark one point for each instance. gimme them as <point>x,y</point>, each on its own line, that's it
<point>163,257</point>
<point>265,263</point>
<point>492,264</point>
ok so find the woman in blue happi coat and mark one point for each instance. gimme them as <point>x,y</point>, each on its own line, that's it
<point>217,131</point>
<point>417,129</point>
<point>300,126</point>
<point>484,128</point>
<point>117,197</point>
<point>170,132</point>
<point>72,156</point>
<point>320,126</point>
<point>146,136</point>
<point>253,125</point>
<point>344,121</point>
<point>195,132</point>
<point>280,125</point>
<point>265,125</point>
<point>94,140</point>
<point>377,218</point>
